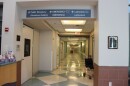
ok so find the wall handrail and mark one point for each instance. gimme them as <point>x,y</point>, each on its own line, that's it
<point>84,55</point>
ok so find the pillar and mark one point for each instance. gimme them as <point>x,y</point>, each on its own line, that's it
<point>8,22</point>
<point>12,19</point>
<point>111,65</point>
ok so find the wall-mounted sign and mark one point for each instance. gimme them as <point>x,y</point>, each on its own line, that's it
<point>59,13</point>
<point>112,42</point>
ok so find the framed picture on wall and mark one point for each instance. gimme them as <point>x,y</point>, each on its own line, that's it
<point>27,47</point>
<point>112,42</point>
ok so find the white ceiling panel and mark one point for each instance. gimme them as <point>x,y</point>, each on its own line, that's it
<point>55,24</point>
<point>54,3</point>
<point>36,24</point>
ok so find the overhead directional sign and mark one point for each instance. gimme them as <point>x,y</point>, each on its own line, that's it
<point>59,13</point>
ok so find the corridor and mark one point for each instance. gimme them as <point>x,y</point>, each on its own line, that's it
<point>70,73</point>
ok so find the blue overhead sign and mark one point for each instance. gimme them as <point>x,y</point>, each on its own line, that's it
<point>59,13</point>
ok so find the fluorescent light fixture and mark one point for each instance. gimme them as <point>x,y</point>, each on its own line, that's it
<point>73,22</point>
<point>73,30</point>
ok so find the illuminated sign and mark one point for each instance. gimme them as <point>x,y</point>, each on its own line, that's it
<point>59,13</point>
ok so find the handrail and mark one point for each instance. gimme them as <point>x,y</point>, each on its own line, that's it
<point>84,54</point>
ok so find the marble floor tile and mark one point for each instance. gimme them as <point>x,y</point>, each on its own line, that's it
<point>85,80</point>
<point>68,83</point>
<point>69,73</point>
<point>42,74</point>
<point>58,71</point>
<point>33,82</point>
<point>52,79</point>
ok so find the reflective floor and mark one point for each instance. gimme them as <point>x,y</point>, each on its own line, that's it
<point>70,73</point>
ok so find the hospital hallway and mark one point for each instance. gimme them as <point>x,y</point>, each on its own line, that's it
<point>70,73</point>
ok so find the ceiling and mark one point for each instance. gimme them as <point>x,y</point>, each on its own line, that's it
<point>55,24</point>
<point>54,3</point>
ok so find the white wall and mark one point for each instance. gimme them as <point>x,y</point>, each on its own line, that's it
<point>13,21</point>
<point>96,38</point>
<point>2,0</point>
<point>112,21</point>
<point>36,37</point>
<point>8,21</point>
<point>27,62</point>
<point>46,51</point>
<point>18,31</point>
<point>49,53</point>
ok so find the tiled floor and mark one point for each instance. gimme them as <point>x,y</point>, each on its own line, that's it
<point>70,73</point>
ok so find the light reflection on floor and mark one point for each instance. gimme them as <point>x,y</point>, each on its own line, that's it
<point>70,73</point>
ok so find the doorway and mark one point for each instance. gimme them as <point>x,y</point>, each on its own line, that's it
<point>44,41</point>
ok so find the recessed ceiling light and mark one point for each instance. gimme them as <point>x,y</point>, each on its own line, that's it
<point>73,30</point>
<point>73,22</point>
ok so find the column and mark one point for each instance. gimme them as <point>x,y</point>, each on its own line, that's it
<point>8,22</point>
<point>111,65</point>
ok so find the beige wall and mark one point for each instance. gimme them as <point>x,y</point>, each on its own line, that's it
<point>36,43</point>
<point>46,51</point>
<point>62,53</point>
<point>91,43</point>
<point>86,52</point>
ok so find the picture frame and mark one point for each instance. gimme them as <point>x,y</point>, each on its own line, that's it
<point>112,42</point>
<point>27,47</point>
